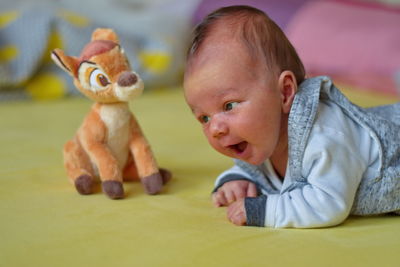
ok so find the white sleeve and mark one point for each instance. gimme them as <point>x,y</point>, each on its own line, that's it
<point>333,169</point>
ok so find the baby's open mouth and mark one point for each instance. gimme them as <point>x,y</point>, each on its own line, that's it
<point>239,147</point>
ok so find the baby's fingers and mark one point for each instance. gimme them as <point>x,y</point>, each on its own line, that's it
<point>252,190</point>
<point>219,199</point>
<point>239,193</point>
<point>229,196</point>
<point>236,212</point>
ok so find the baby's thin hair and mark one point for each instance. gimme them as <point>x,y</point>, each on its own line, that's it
<point>259,33</point>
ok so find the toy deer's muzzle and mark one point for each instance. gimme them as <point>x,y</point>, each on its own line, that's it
<point>129,86</point>
<point>127,78</point>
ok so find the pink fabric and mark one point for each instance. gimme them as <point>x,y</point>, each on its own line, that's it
<point>356,44</point>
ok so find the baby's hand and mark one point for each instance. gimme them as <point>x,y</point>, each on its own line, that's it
<point>236,212</point>
<point>233,191</point>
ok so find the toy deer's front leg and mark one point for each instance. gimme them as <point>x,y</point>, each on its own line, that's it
<point>93,136</point>
<point>109,171</point>
<point>145,161</point>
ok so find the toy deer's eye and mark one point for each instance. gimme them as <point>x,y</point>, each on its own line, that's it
<point>98,78</point>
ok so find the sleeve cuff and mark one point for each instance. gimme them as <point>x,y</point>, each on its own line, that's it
<point>255,210</point>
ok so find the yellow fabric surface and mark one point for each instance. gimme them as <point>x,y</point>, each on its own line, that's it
<point>45,222</point>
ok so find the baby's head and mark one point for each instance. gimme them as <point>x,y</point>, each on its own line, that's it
<point>241,77</point>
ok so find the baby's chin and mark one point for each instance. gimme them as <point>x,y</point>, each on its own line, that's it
<point>252,159</point>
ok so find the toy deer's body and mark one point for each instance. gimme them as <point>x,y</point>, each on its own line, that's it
<point>109,144</point>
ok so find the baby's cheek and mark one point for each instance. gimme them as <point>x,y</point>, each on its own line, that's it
<point>214,144</point>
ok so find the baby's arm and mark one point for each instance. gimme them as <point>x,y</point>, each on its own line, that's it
<point>333,171</point>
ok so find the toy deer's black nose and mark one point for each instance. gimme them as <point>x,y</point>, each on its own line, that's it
<point>127,78</point>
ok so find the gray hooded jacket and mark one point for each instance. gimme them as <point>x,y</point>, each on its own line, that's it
<point>378,195</point>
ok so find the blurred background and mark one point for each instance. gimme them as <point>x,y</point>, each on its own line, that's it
<point>45,222</point>
<point>356,42</point>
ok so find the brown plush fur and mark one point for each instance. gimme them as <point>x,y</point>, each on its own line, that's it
<point>109,144</point>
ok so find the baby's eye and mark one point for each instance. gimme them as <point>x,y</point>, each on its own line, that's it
<point>204,119</point>
<point>230,105</point>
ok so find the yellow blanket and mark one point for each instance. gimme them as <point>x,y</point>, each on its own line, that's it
<point>45,222</point>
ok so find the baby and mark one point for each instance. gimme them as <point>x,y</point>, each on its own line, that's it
<point>304,155</point>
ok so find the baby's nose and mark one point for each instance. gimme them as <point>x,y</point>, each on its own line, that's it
<point>218,127</point>
<point>127,78</point>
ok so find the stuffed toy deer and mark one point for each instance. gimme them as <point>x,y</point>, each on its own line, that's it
<point>109,144</point>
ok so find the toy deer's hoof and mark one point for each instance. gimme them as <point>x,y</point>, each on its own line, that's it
<point>153,183</point>
<point>84,184</point>
<point>113,189</point>
<point>166,175</point>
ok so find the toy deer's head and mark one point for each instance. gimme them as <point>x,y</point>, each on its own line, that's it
<point>102,71</point>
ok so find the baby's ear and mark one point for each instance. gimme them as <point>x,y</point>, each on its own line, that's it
<point>67,63</point>
<point>105,34</point>
<point>288,87</point>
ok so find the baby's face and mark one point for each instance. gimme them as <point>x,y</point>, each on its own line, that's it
<point>239,109</point>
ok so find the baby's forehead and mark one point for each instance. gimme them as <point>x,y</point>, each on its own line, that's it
<point>217,49</point>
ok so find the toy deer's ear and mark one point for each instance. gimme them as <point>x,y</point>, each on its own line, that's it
<point>67,63</point>
<point>105,34</point>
